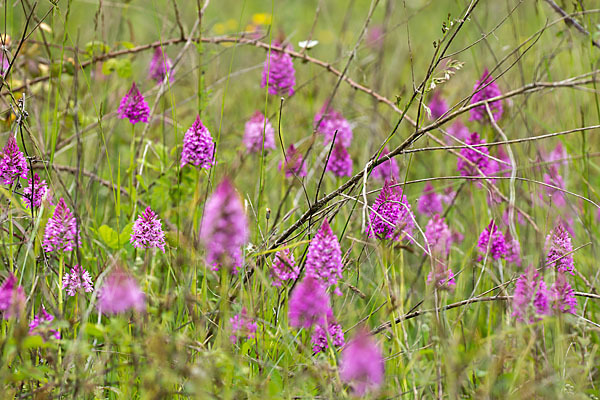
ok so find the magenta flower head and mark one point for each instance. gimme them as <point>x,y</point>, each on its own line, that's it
<point>387,170</point>
<point>198,146</point>
<point>328,121</point>
<point>513,251</point>
<point>459,131</point>
<point>361,364</point>
<point>486,88</point>
<point>242,325</point>
<point>35,191</point>
<point>133,106</point>
<point>391,216</point>
<point>224,228</point>
<point>492,240</point>
<point>61,229</point>
<point>531,298</point>
<point>555,195</point>
<point>557,158</point>
<point>324,258</point>
<point>437,106</point>
<point>340,162</point>
<point>119,293</point>
<point>559,248</point>
<point>430,202</point>
<point>319,336</point>
<point>279,73</point>
<point>12,297</point>
<point>253,133</point>
<point>284,267</point>
<point>13,164</point>
<point>160,66</point>
<point>439,236</point>
<point>309,304</point>
<point>478,156</point>
<point>294,163</point>
<point>77,280</point>
<point>40,325</point>
<point>563,296</point>
<point>147,231</point>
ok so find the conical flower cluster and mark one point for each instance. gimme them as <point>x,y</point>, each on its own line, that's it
<point>324,258</point>
<point>61,229</point>
<point>147,232</point>
<point>559,247</point>
<point>492,240</point>
<point>328,121</point>
<point>12,297</point>
<point>242,325</point>
<point>391,216</point>
<point>40,325</point>
<point>319,336</point>
<point>340,162</point>
<point>35,191</point>
<point>77,280</point>
<point>198,146</point>
<point>430,202</point>
<point>224,228</point>
<point>13,164</point>
<point>284,267</point>
<point>531,298</point>
<point>387,170</point>
<point>259,133</point>
<point>478,156</point>
<point>309,304</point>
<point>119,293</point>
<point>437,106</point>
<point>361,364</point>
<point>279,73</point>
<point>486,88</point>
<point>439,239</point>
<point>294,163</point>
<point>160,66</point>
<point>563,296</point>
<point>133,106</point>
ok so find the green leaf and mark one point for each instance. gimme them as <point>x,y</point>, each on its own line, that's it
<point>127,45</point>
<point>94,330</point>
<point>109,66</point>
<point>109,236</point>
<point>96,47</point>
<point>33,341</point>
<point>124,68</point>
<point>126,233</point>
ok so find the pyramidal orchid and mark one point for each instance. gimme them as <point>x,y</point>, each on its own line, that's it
<point>12,297</point>
<point>430,202</point>
<point>559,248</point>
<point>242,326</point>
<point>319,336</point>
<point>486,88</point>
<point>437,105</point>
<point>361,364</point>
<point>563,296</point>
<point>492,241</point>
<point>531,297</point>
<point>61,229</point>
<point>147,232</point>
<point>478,156</point>
<point>284,267</point>
<point>294,163</point>
<point>35,191</point>
<point>324,258</point>
<point>160,66</point>
<point>391,215</point>
<point>133,106</point>
<point>340,162</point>
<point>40,325</point>
<point>259,133</point>
<point>198,146</point>
<point>119,293</point>
<point>224,228</point>
<point>387,170</point>
<point>13,164</point>
<point>308,304</point>
<point>278,72</point>
<point>328,122</point>
<point>439,239</point>
<point>77,280</point>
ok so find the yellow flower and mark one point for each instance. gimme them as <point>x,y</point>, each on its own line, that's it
<point>262,19</point>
